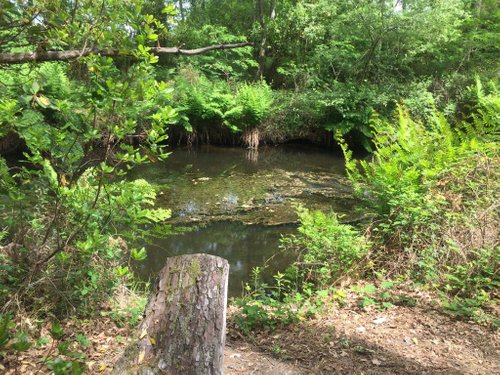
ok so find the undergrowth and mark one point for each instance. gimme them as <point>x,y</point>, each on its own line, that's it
<point>433,190</point>
<point>208,107</point>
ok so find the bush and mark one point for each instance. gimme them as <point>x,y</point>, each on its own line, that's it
<point>295,115</point>
<point>327,249</point>
<point>434,195</point>
<point>434,191</point>
<point>202,102</point>
<point>64,213</point>
<point>253,105</point>
<point>82,274</point>
<point>208,107</point>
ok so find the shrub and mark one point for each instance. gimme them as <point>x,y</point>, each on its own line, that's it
<point>202,102</point>
<point>208,107</point>
<point>327,249</point>
<point>253,105</point>
<point>434,191</point>
<point>64,213</point>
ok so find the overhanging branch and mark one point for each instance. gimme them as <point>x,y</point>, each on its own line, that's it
<point>24,57</point>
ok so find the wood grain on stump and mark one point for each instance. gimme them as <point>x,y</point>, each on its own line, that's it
<point>183,331</point>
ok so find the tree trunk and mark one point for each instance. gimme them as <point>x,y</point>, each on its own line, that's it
<point>262,19</point>
<point>261,57</point>
<point>183,331</point>
<point>181,10</point>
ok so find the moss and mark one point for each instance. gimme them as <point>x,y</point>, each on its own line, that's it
<point>194,270</point>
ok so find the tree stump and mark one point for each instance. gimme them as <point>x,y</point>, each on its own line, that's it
<point>184,328</point>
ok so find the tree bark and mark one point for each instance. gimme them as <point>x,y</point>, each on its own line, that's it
<point>24,57</point>
<point>183,331</point>
<point>181,10</point>
<point>261,58</point>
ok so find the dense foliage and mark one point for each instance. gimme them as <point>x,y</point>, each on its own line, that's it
<point>66,211</point>
<point>211,109</point>
<point>71,129</point>
<point>433,193</point>
<point>329,249</point>
<point>336,61</point>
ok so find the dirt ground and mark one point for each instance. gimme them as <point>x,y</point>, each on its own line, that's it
<point>401,340</point>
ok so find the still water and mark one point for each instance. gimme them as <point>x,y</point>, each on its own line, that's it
<point>237,203</point>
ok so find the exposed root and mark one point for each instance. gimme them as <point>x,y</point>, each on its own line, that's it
<point>191,138</point>
<point>251,138</point>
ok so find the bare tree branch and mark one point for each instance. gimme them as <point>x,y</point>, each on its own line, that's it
<point>24,57</point>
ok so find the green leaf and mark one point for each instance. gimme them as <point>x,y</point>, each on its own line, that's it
<point>121,271</point>
<point>35,87</point>
<point>43,101</point>
<point>21,342</point>
<point>386,284</point>
<point>82,340</point>
<point>139,254</point>
<point>369,288</point>
<point>5,324</point>
<point>63,347</point>
<point>50,173</point>
<point>56,331</point>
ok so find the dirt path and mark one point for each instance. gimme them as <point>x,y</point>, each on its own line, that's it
<point>399,341</point>
<point>242,359</point>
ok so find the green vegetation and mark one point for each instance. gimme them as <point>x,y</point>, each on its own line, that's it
<point>66,355</point>
<point>88,90</point>
<point>208,109</point>
<point>66,211</point>
<point>433,192</point>
<point>332,63</point>
<point>329,249</point>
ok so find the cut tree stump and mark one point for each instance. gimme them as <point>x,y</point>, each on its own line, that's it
<point>184,327</point>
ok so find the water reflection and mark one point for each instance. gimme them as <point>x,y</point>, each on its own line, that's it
<point>244,246</point>
<point>212,161</point>
<point>222,188</point>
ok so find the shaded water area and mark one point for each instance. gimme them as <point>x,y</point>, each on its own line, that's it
<point>237,203</point>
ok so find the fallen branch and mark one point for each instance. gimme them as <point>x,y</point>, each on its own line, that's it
<point>24,57</point>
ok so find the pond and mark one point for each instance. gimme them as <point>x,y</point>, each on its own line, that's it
<point>237,203</point>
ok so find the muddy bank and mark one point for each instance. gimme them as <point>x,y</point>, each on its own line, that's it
<point>221,135</point>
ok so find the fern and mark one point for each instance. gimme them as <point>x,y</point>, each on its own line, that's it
<point>253,105</point>
<point>54,80</point>
<point>32,128</point>
<point>409,155</point>
<point>484,118</point>
<point>8,111</point>
<point>204,102</point>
